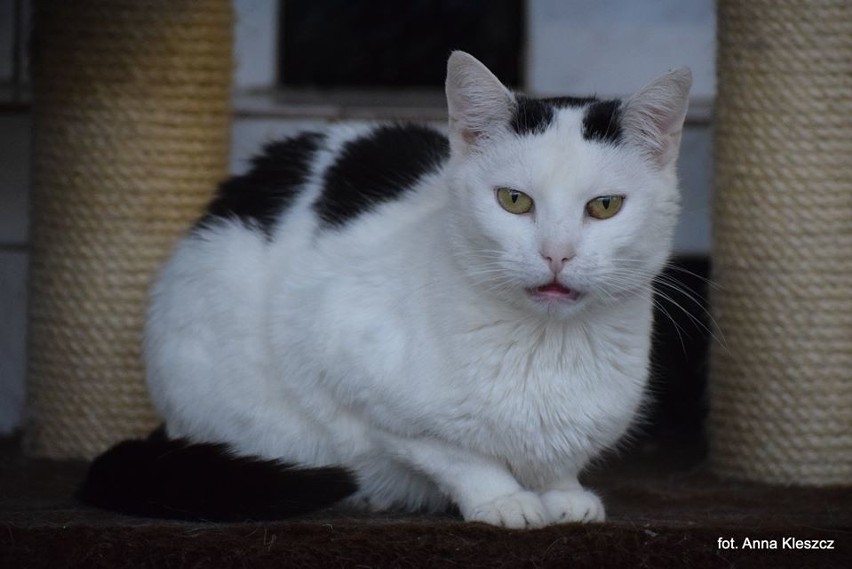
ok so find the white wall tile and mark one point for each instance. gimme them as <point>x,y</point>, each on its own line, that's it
<point>255,43</point>
<point>695,168</point>
<point>614,47</point>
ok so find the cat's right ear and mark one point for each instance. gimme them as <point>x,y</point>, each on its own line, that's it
<point>654,116</point>
<point>478,103</point>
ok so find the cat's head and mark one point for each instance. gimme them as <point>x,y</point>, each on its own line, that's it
<point>561,203</point>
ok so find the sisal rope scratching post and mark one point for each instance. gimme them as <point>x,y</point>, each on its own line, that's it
<point>131,123</point>
<point>781,387</point>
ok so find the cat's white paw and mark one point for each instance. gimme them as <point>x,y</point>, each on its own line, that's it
<point>572,506</point>
<point>521,510</point>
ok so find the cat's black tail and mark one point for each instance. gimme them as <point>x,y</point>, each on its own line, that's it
<point>176,479</point>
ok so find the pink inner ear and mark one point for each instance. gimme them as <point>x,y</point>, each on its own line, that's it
<point>666,120</point>
<point>658,129</point>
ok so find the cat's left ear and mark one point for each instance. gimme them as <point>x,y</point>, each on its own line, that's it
<point>653,117</point>
<point>478,103</point>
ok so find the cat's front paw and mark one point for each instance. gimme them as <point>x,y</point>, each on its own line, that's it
<point>521,510</point>
<point>572,506</point>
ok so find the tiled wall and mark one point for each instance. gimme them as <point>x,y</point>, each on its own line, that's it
<point>572,48</point>
<point>616,46</point>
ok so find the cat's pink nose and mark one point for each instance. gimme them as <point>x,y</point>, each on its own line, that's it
<point>556,260</point>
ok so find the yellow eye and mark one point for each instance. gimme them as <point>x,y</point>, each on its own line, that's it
<point>604,207</point>
<point>514,201</point>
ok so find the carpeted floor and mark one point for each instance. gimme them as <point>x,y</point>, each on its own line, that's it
<point>664,508</point>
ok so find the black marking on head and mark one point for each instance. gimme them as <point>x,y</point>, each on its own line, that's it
<point>177,479</point>
<point>275,179</point>
<point>378,168</point>
<point>602,121</point>
<point>533,116</point>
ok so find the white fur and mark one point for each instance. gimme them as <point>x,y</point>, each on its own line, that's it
<point>405,345</point>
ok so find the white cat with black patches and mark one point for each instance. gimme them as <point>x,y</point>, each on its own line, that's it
<point>458,323</point>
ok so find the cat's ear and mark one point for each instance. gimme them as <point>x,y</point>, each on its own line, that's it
<point>478,103</point>
<point>654,116</point>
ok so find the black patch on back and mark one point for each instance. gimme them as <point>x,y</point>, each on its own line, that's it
<point>378,168</point>
<point>602,121</point>
<point>178,480</point>
<point>275,179</point>
<point>533,116</point>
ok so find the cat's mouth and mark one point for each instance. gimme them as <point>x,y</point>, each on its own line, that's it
<point>555,291</point>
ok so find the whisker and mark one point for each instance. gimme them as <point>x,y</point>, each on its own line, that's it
<point>697,321</point>
<point>677,327</point>
<point>707,280</point>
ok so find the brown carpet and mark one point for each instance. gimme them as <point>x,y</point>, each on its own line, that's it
<point>664,510</point>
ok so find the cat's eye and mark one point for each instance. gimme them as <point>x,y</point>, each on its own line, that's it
<point>604,207</point>
<point>514,201</point>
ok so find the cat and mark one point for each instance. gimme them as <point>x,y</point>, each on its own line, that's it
<point>406,320</point>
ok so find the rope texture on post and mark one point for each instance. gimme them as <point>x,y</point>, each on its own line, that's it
<point>781,376</point>
<point>131,119</point>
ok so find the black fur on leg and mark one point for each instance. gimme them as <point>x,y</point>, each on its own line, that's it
<point>176,479</point>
